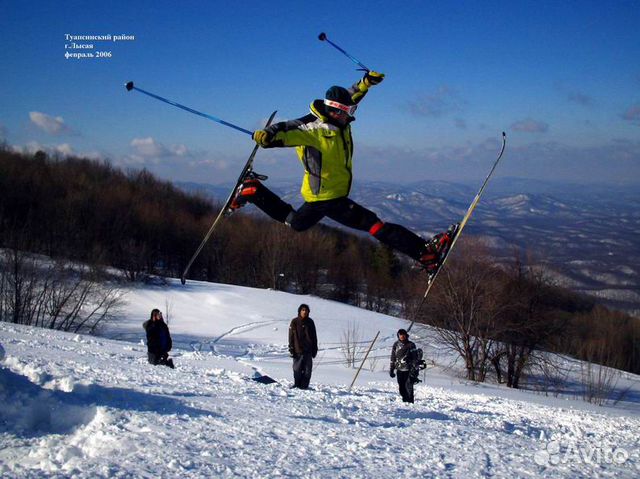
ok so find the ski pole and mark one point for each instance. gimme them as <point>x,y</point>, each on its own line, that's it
<point>363,360</point>
<point>130,86</point>
<point>323,38</point>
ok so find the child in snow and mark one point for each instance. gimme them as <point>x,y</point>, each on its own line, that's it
<point>158,340</point>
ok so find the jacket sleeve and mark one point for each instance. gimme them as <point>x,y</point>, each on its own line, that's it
<point>292,133</point>
<point>358,91</point>
<point>291,338</point>
<point>314,339</point>
<point>392,364</point>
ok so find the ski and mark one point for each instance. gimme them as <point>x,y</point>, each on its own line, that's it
<point>226,211</point>
<point>458,229</point>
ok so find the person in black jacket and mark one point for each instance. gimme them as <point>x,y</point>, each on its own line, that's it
<point>303,346</point>
<point>400,355</point>
<point>158,340</point>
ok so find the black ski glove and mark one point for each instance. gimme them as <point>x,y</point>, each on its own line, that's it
<point>392,373</point>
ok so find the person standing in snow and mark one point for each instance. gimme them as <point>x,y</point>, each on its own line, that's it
<point>303,346</point>
<point>324,145</point>
<point>400,361</point>
<point>158,340</point>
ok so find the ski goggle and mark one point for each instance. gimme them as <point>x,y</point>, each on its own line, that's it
<point>348,109</point>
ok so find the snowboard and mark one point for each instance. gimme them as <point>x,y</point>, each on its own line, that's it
<point>457,228</point>
<point>264,379</point>
<point>226,210</point>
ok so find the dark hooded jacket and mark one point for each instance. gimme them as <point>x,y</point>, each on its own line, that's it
<point>158,336</point>
<point>399,353</point>
<point>302,337</point>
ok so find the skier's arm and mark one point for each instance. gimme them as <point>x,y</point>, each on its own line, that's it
<point>287,133</point>
<point>360,88</point>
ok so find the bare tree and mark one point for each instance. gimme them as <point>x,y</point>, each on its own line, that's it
<point>465,311</point>
<point>598,382</point>
<point>168,310</point>
<point>37,291</point>
<point>528,319</point>
<point>351,345</point>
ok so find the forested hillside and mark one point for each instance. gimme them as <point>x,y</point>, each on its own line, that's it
<point>80,210</point>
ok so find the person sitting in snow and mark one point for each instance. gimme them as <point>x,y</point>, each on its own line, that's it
<point>402,353</point>
<point>325,147</point>
<point>158,340</point>
<point>303,346</point>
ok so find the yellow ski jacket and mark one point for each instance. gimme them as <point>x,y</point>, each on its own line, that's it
<point>324,149</point>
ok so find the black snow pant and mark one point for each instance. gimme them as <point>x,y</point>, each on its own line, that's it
<point>163,359</point>
<point>302,367</point>
<point>343,210</point>
<point>405,384</point>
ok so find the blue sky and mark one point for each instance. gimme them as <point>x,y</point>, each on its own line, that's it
<point>561,78</point>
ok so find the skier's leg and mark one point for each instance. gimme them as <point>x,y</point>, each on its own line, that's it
<point>351,214</point>
<point>253,191</point>
<point>306,216</point>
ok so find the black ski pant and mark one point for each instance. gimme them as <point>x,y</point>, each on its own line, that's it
<point>405,384</point>
<point>163,359</point>
<point>343,210</point>
<point>302,368</point>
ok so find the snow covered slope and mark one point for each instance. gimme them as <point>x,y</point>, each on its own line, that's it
<point>79,406</point>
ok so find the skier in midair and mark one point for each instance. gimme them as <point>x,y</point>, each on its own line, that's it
<point>325,147</point>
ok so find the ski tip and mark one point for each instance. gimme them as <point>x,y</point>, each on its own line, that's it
<point>504,135</point>
<point>322,37</point>
<point>129,85</point>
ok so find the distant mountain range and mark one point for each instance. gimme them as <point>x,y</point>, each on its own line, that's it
<point>588,234</point>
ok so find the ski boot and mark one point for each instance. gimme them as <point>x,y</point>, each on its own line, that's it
<point>437,249</point>
<point>245,191</point>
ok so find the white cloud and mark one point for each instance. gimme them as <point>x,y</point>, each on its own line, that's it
<point>151,148</point>
<point>530,126</point>
<point>64,149</point>
<point>52,125</point>
<point>613,160</point>
<point>148,147</point>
